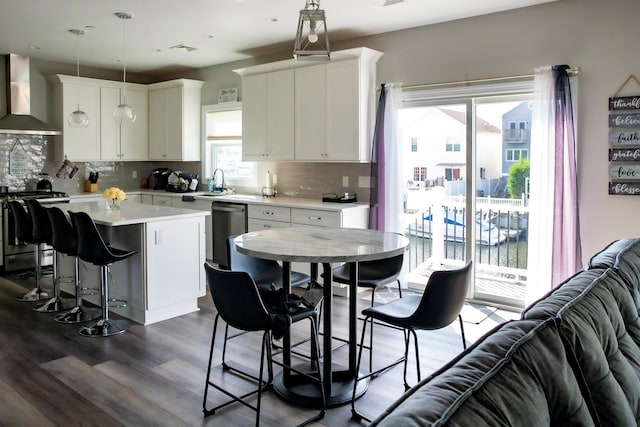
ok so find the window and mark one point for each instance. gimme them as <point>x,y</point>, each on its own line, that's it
<point>414,145</point>
<point>452,145</point>
<point>223,145</point>
<point>515,154</point>
<point>419,173</point>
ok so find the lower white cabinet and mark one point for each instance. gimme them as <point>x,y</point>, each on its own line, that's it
<point>200,205</point>
<point>162,200</point>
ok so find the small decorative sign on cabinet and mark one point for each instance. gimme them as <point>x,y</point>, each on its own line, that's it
<point>624,144</point>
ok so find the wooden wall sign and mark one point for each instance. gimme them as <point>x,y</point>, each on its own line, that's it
<point>624,145</point>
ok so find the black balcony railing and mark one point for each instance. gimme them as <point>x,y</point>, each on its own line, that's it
<point>500,238</point>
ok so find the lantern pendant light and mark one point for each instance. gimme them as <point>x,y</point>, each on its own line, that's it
<point>312,39</point>
<point>124,113</point>
<point>78,118</point>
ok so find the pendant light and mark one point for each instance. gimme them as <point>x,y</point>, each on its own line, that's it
<point>124,113</point>
<point>312,39</point>
<point>78,118</point>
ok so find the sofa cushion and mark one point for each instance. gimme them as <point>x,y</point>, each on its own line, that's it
<point>516,375</point>
<point>624,256</point>
<point>602,328</point>
<point>607,257</point>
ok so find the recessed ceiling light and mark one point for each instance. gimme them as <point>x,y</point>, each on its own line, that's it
<point>34,47</point>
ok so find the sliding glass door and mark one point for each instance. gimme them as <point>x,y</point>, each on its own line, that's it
<point>466,197</point>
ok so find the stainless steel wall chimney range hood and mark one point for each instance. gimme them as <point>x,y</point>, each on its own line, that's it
<point>19,119</point>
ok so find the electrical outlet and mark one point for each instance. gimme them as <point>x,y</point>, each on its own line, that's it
<point>134,174</point>
<point>345,181</point>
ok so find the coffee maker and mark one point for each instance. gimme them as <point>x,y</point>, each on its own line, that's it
<point>159,178</point>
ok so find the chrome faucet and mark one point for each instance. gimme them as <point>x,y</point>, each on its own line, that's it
<point>215,181</point>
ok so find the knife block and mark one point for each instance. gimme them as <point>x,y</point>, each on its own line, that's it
<point>90,187</point>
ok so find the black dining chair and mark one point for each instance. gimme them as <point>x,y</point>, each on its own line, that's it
<point>64,242</point>
<point>93,249</point>
<point>266,273</point>
<point>437,307</point>
<point>24,233</point>
<point>43,235</point>
<point>373,275</point>
<point>239,304</point>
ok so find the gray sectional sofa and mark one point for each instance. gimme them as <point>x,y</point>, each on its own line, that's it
<point>572,360</point>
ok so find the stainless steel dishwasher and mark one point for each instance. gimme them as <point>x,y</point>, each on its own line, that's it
<point>227,219</point>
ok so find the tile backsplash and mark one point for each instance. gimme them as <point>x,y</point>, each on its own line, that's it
<point>24,157</point>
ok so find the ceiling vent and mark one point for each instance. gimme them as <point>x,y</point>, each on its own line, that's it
<point>185,47</point>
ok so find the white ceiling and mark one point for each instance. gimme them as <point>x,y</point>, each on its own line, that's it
<point>220,30</point>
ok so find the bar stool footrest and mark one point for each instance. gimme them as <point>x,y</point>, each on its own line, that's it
<point>116,303</point>
<point>78,314</point>
<point>34,294</point>
<point>104,328</point>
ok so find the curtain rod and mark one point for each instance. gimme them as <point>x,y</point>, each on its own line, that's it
<point>572,71</point>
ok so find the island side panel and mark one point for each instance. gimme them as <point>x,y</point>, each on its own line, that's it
<point>175,252</point>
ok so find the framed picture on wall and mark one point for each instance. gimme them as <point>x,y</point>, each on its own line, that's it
<point>228,95</point>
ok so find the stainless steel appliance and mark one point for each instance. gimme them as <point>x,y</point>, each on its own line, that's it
<point>227,219</point>
<point>17,255</point>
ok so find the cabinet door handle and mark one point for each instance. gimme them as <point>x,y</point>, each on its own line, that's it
<point>267,226</point>
<point>315,218</point>
<point>267,213</point>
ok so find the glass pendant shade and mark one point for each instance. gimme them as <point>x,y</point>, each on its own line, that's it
<point>78,118</point>
<point>124,113</point>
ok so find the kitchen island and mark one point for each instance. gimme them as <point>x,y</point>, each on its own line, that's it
<point>166,277</point>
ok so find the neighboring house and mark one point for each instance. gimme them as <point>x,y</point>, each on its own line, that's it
<point>436,137</point>
<point>516,135</point>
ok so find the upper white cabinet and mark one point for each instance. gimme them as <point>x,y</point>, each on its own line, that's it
<point>104,138</point>
<point>333,108</point>
<point>123,141</point>
<point>174,120</point>
<point>268,116</point>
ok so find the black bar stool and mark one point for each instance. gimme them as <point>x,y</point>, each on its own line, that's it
<point>24,233</point>
<point>92,248</point>
<point>42,235</point>
<point>64,242</point>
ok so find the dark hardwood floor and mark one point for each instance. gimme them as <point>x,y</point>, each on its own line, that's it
<point>154,375</point>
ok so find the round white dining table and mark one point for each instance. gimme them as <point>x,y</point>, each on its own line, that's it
<point>319,245</point>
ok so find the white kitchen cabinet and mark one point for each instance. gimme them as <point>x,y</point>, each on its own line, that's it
<point>333,114</point>
<point>170,247</point>
<point>123,141</point>
<point>103,139</point>
<point>268,116</point>
<point>200,205</point>
<point>146,199</point>
<point>260,217</point>
<point>174,120</point>
<point>77,143</point>
<point>310,115</point>
<point>162,200</point>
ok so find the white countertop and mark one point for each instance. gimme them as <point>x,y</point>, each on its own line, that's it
<point>284,201</point>
<point>129,213</point>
